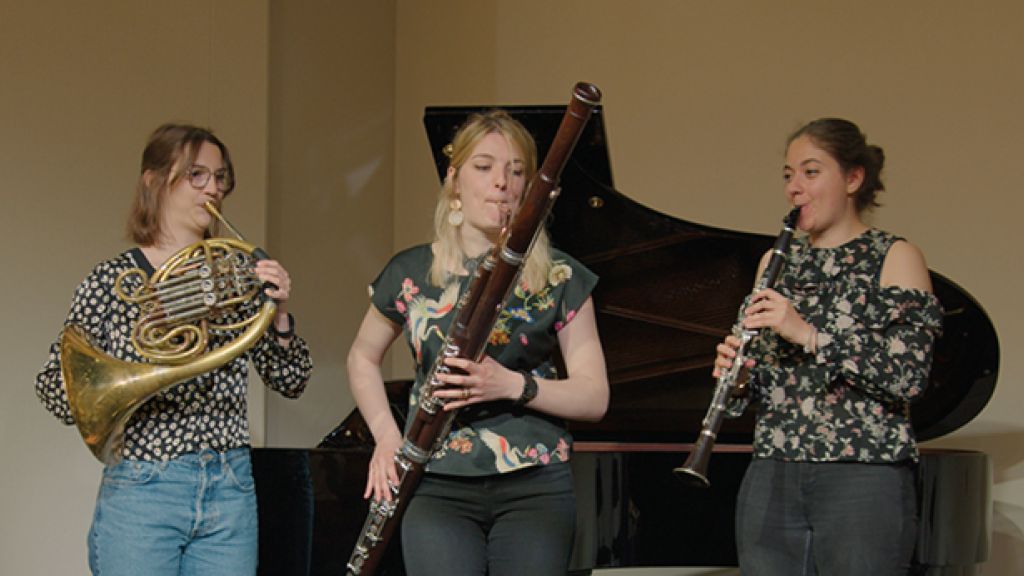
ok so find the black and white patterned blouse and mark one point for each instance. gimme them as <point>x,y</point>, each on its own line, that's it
<point>850,400</point>
<point>208,411</point>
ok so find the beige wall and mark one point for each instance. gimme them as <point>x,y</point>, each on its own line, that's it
<point>331,180</point>
<point>321,103</point>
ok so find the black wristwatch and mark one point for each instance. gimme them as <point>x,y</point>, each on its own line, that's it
<point>287,333</point>
<point>529,389</point>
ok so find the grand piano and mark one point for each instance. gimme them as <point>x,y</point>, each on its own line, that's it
<point>669,292</point>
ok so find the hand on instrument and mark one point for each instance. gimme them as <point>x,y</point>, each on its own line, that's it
<point>382,469</point>
<point>271,271</point>
<point>484,381</point>
<point>726,353</point>
<point>769,309</point>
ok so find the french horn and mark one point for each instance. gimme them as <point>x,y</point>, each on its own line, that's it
<point>196,292</point>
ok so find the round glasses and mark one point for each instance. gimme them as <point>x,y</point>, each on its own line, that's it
<point>199,177</point>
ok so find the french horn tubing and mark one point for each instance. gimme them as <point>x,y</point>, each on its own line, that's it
<point>195,292</point>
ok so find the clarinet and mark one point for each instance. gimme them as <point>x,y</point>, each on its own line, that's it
<point>695,470</point>
<point>477,312</point>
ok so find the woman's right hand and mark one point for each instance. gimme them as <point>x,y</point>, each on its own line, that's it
<point>375,336</point>
<point>383,470</point>
<point>726,354</point>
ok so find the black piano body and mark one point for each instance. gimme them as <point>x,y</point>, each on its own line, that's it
<point>669,292</point>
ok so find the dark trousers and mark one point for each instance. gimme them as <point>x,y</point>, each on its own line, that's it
<point>832,519</point>
<point>507,524</point>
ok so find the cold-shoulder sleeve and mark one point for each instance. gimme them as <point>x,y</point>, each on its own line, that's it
<point>883,342</point>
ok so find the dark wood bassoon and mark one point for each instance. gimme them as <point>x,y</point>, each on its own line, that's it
<point>478,310</point>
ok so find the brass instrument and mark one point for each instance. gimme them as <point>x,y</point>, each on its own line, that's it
<point>189,296</point>
<point>695,470</point>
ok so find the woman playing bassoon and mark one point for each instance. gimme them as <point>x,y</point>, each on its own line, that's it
<point>497,495</point>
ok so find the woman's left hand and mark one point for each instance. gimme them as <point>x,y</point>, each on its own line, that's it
<point>484,381</point>
<point>769,309</point>
<point>272,271</point>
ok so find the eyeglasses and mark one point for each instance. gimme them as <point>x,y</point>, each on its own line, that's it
<point>199,177</point>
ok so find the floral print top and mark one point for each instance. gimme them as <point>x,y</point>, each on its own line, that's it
<point>849,401</point>
<point>493,437</point>
<point>208,411</point>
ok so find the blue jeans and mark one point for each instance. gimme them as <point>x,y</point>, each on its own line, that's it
<point>831,518</point>
<point>502,525</point>
<point>193,515</point>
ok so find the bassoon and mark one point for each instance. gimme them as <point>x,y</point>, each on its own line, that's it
<point>695,470</point>
<point>490,286</point>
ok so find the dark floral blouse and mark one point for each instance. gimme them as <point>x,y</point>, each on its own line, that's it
<point>209,411</point>
<point>493,437</point>
<point>850,400</point>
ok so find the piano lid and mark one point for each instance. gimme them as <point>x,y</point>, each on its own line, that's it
<point>670,290</point>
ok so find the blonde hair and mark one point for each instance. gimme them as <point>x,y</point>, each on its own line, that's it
<point>449,255</point>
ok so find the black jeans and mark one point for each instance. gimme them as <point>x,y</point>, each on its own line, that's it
<point>830,518</point>
<point>506,524</point>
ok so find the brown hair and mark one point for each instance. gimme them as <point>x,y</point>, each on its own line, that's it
<point>844,141</point>
<point>170,150</point>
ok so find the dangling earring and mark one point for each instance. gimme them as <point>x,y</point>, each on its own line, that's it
<point>455,215</point>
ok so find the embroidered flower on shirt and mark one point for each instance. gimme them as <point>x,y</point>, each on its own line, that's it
<point>409,289</point>
<point>559,273</point>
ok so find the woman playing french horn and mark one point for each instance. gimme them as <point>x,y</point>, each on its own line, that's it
<point>181,499</point>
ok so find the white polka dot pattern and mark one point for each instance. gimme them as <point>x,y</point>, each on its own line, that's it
<point>208,411</point>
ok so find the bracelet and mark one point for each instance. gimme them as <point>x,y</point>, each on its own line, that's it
<point>812,341</point>
<point>287,333</point>
<point>529,389</point>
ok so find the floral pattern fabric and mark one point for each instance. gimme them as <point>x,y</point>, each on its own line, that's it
<point>849,401</point>
<point>208,411</point>
<point>493,437</point>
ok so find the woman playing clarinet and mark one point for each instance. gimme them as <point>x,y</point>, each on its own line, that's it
<point>847,345</point>
<point>497,496</point>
